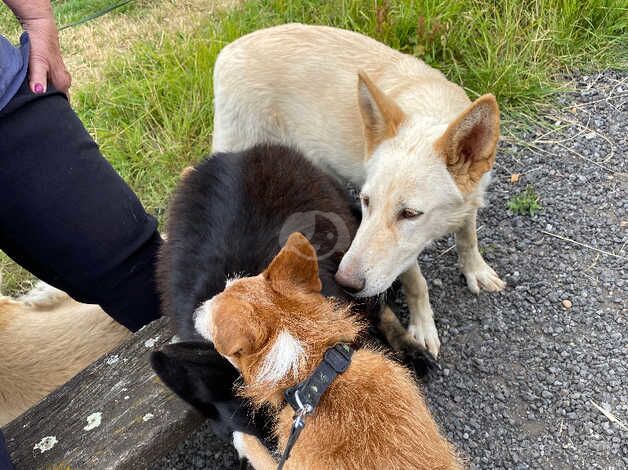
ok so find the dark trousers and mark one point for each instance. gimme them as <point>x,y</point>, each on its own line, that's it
<point>68,217</point>
<point>5,463</point>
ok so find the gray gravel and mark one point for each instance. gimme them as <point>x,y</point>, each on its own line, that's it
<point>520,371</point>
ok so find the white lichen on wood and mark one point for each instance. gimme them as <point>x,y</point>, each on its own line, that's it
<point>46,443</point>
<point>111,360</point>
<point>149,343</point>
<point>93,421</point>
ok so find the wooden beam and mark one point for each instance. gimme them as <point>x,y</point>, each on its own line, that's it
<point>116,414</point>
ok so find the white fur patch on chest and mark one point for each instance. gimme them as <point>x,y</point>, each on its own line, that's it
<point>283,358</point>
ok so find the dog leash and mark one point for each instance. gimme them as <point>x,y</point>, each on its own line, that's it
<point>304,397</point>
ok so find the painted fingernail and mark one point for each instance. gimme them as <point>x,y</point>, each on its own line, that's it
<point>39,88</point>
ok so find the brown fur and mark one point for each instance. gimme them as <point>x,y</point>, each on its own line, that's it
<point>372,417</point>
<point>45,342</point>
<point>469,144</point>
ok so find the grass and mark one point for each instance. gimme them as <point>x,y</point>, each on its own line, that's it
<point>526,202</point>
<point>67,12</point>
<point>157,114</point>
<point>13,278</point>
<point>89,47</point>
<point>151,107</point>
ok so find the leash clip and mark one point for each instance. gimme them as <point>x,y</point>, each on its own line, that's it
<point>298,424</point>
<point>302,410</point>
<point>335,361</point>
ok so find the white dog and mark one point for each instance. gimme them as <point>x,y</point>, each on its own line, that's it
<point>420,150</point>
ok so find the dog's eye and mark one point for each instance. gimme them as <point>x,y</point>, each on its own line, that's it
<point>409,214</point>
<point>365,200</point>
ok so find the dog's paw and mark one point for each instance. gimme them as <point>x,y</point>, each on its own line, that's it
<point>426,335</point>
<point>416,357</point>
<point>483,276</point>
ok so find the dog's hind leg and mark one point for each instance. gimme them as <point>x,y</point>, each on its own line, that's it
<point>476,271</point>
<point>421,325</point>
<point>253,450</point>
<point>410,351</point>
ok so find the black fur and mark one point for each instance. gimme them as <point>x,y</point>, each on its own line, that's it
<point>198,374</point>
<point>230,216</point>
<point>226,217</point>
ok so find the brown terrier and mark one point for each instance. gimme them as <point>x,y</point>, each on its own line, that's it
<point>275,328</point>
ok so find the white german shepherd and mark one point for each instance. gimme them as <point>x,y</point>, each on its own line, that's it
<point>418,148</point>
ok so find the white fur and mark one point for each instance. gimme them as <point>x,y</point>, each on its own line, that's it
<point>298,85</point>
<point>203,319</point>
<point>231,280</point>
<point>283,358</point>
<point>43,295</point>
<point>238,443</point>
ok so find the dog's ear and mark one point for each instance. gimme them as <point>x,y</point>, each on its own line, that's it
<point>237,331</point>
<point>197,373</point>
<point>381,116</point>
<point>295,264</point>
<point>470,142</point>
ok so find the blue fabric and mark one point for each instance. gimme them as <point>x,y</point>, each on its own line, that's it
<point>5,463</point>
<point>13,67</point>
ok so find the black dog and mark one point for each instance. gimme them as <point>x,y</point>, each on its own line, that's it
<point>229,217</point>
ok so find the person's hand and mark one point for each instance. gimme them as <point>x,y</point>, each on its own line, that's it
<point>45,61</point>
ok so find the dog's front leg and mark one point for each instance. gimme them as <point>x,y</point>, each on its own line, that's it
<point>253,450</point>
<point>421,325</point>
<point>475,270</point>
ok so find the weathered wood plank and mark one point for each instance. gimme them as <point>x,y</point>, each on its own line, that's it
<point>116,414</point>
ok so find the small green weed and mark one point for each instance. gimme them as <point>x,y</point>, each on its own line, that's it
<point>525,203</point>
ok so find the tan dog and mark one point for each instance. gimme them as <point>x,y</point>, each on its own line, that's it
<point>418,148</point>
<point>275,328</point>
<point>45,339</point>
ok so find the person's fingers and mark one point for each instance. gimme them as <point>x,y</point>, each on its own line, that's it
<point>38,73</point>
<point>46,67</point>
<point>60,77</point>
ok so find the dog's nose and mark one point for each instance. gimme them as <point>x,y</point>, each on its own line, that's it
<point>351,284</point>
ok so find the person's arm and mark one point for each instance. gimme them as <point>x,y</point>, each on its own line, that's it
<point>45,63</point>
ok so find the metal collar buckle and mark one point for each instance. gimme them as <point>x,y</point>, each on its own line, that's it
<point>335,361</point>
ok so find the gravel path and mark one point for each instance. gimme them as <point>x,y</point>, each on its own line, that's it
<point>524,371</point>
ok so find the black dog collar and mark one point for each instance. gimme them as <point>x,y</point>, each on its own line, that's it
<point>304,397</point>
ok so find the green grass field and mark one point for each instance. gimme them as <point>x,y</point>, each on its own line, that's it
<point>68,12</point>
<point>152,113</point>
